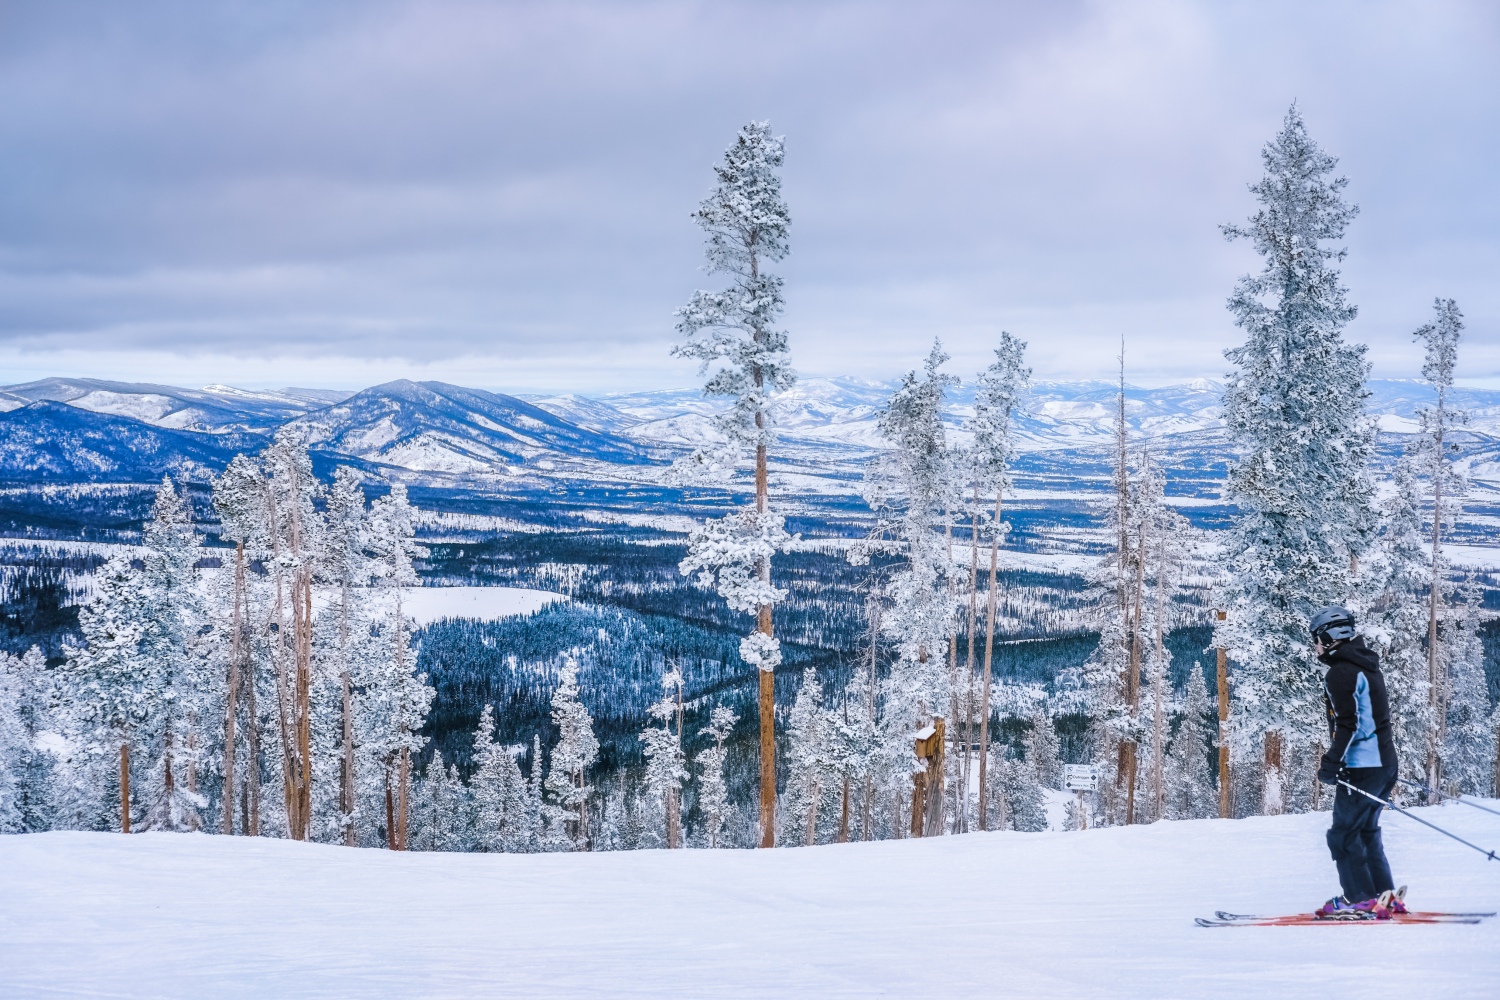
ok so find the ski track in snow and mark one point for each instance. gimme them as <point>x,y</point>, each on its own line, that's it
<point>1105,913</point>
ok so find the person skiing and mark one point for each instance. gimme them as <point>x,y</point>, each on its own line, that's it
<point>1362,753</point>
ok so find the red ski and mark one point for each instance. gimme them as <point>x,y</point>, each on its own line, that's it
<point>1304,919</point>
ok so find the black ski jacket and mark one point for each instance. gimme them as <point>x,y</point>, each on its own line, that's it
<point>1346,700</point>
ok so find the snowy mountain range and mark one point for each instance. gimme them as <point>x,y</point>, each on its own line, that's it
<point>86,429</point>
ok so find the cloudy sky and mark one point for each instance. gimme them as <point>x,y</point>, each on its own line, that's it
<point>499,194</point>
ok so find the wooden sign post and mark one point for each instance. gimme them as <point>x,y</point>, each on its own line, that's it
<point>927,786</point>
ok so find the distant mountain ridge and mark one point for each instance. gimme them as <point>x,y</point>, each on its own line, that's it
<point>61,428</point>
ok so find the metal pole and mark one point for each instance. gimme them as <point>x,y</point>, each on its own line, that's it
<point>1461,800</point>
<point>1488,854</point>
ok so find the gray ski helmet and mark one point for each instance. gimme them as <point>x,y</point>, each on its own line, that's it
<point>1332,624</point>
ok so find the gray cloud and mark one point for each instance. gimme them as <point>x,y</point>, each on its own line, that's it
<point>504,188</point>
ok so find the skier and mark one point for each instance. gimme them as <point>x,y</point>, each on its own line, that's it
<point>1362,753</point>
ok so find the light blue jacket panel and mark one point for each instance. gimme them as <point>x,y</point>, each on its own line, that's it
<point>1364,750</point>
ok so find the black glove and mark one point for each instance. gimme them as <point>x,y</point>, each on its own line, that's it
<point>1331,770</point>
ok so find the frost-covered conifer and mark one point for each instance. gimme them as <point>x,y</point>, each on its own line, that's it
<point>808,761</point>
<point>499,792</point>
<point>1026,803</point>
<point>443,818</point>
<point>713,791</point>
<point>997,399</point>
<point>1043,750</point>
<point>347,565</point>
<point>576,750</point>
<point>1468,748</point>
<point>1294,409</point>
<point>666,765</point>
<point>1433,457</point>
<point>1392,610</point>
<point>910,487</point>
<point>399,695</point>
<point>27,768</point>
<point>135,687</point>
<point>1191,792</point>
<point>732,334</point>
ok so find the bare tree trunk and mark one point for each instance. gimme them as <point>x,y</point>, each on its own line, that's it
<point>232,686</point>
<point>346,771</point>
<point>763,618</point>
<point>1273,793</point>
<point>124,787</point>
<point>1162,685</point>
<point>958,805</point>
<point>392,840</point>
<point>1436,675</point>
<point>813,794</point>
<point>973,622</point>
<point>1226,810</point>
<point>404,797</point>
<point>991,602</point>
<point>251,785</point>
<point>866,829</point>
<point>844,813</point>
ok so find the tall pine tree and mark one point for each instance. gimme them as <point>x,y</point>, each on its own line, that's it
<point>1294,410</point>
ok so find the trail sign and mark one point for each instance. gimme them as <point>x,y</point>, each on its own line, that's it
<point>1081,777</point>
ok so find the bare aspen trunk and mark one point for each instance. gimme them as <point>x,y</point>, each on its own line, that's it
<point>1436,675</point>
<point>967,730</point>
<point>1226,810</point>
<point>1162,685</point>
<point>844,814</point>
<point>991,602</point>
<point>346,770</point>
<point>404,797</point>
<point>124,787</point>
<point>232,686</point>
<point>813,792</point>
<point>958,804</point>
<point>250,820</point>
<point>1272,801</point>
<point>392,842</point>
<point>673,803</point>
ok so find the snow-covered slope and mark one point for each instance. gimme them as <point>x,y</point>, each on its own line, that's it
<point>436,427</point>
<point>1104,913</point>
<point>214,408</point>
<point>52,441</point>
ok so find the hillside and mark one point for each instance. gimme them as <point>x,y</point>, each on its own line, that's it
<point>1104,913</point>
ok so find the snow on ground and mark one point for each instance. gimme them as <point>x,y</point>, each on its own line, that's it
<point>1481,557</point>
<point>428,604</point>
<point>1104,913</point>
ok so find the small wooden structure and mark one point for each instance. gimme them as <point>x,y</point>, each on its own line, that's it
<point>927,785</point>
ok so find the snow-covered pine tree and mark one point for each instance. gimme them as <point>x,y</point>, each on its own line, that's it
<point>499,791</point>
<point>713,790</point>
<point>666,765</point>
<point>240,499</point>
<point>294,538</point>
<point>1434,458</point>
<point>347,566</point>
<point>732,334</point>
<point>1044,751</point>
<point>1294,410</point>
<point>1191,792</point>
<point>16,747</point>
<point>1392,608</point>
<point>910,487</point>
<point>577,749</point>
<point>1468,748</point>
<point>808,759</point>
<point>26,693</point>
<point>391,538</point>
<point>1026,803</point>
<point>443,813</point>
<point>171,655</point>
<point>997,400</point>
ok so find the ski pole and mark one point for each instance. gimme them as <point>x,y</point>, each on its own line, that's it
<point>1461,800</point>
<point>1376,798</point>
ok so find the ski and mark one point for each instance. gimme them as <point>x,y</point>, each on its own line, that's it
<point>1438,914</point>
<point>1308,919</point>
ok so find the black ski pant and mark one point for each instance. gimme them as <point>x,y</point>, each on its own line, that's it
<point>1354,838</point>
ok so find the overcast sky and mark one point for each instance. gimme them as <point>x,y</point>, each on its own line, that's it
<point>499,194</point>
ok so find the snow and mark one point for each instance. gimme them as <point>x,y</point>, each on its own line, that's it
<point>1103,913</point>
<point>429,604</point>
